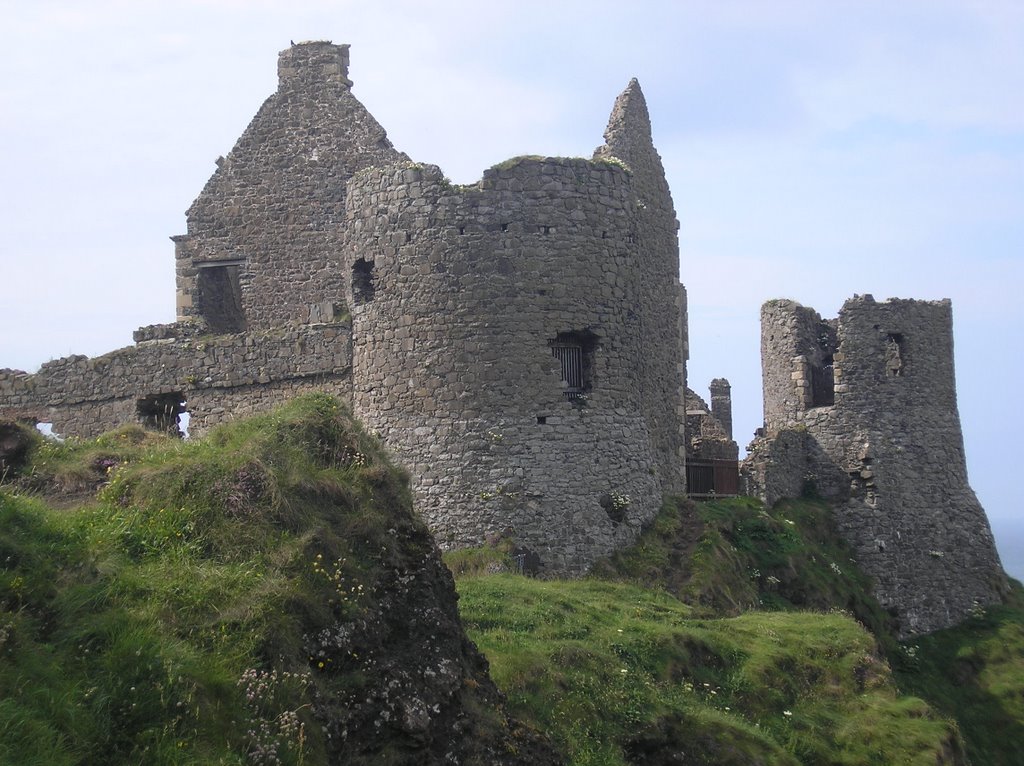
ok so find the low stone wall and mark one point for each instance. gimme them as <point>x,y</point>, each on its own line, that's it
<point>220,376</point>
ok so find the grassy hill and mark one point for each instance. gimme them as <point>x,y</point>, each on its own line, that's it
<point>263,596</point>
<point>731,634</point>
<point>266,595</point>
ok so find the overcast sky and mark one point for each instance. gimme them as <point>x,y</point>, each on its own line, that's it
<point>814,149</point>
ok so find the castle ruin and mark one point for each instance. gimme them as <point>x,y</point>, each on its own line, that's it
<point>862,410</point>
<point>520,345</point>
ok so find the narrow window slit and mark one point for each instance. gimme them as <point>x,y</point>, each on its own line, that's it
<point>363,282</point>
<point>894,352</point>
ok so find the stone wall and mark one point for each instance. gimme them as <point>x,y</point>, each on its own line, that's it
<point>219,376</point>
<point>721,403</point>
<point>707,438</point>
<point>455,359</point>
<point>662,315</point>
<point>888,449</point>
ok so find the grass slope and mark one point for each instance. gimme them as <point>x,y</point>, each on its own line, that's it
<point>767,609</point>
<point>733,555</point>
<point>263,596</point>
<point>975,673</point>
<point>619,674</point>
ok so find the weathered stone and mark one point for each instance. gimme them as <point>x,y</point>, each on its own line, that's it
<point>885,445</point>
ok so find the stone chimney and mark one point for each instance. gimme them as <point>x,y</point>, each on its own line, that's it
<point>721,403</point>
<point>309,64</point>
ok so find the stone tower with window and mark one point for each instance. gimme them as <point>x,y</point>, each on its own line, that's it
<point>862,410</point>
<point>518,342</point>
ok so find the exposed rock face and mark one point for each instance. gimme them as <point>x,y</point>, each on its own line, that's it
<point>862,410</point>
<point>427,697</point>
<point>15,444</point>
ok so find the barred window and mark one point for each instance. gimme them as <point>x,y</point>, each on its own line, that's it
<point>575,354</point>
<point>571,357</point>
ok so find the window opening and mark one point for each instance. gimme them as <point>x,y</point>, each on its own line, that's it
<point>571,357</point>
<point>894,355</point>
<point>363,287</point>
<point>575,354</point>
<point>220,298</point>
<point>162,412</point>
<point>823,391</point>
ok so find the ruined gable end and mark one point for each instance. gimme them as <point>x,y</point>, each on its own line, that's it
<point>261,247</point>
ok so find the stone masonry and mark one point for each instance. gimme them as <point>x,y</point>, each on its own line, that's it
<point>219,376</point>
<point>862,409</point>
<point>518,343</point>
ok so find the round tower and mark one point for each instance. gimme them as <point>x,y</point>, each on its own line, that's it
<point>498,349</point>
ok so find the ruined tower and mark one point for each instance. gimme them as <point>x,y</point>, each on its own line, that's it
<point>517,342</point>
<point>862,409</point>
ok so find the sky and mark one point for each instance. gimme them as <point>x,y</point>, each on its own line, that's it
<point>814,150</point>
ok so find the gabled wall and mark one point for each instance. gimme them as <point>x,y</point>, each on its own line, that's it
<point>267,221</point>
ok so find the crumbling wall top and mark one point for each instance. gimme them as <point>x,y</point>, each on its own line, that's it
<point>311,62</point>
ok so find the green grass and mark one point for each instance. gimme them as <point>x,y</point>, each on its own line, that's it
<point>168,619</point>
<point>78,466</point>
<point>170,614</point>
<point>768,609</point>
<point>733,555</point>
<point>975,672</point>
<point>618,673</point>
